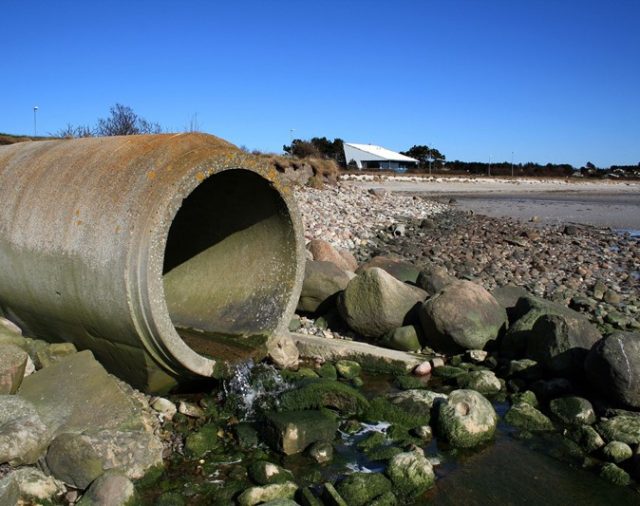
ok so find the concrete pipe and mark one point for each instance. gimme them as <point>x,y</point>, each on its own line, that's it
<point>169,256</point>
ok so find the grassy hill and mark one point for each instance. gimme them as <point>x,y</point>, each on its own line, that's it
<point>12,139</point>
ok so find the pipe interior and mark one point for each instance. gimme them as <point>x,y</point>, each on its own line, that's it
<point>230,259</point>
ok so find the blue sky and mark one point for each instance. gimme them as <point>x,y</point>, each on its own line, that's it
<point>550,81</point>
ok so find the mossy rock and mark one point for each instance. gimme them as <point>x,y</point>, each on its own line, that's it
<point>348,369</point>
<point>483,381</point>
<point>307,498</point>
<point>411,473</point>
<point>625,428</point>
<point>266,473</point>
<point>466,419</point>
<point>403,435</point>
<point>448,372</point>
<point>573,410</point>
<point>358,489</point>
<point>258,495</point>
<point>525,416</point>
<point>313,394</point>
<point>383,452</point>
<point>587,437</point>
<point>526,397</point>
<point>328,371</point>
<point>407,382</point>
<point>203,441</point>
<point>615,475</point>
<point>386,499</point>
<point>373,440</point>
<point>617,451</point>
<point>383,410</point>
<point>170,499</point>
<point>331,497</point>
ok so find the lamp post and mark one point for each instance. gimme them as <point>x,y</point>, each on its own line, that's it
<point>35,124</point>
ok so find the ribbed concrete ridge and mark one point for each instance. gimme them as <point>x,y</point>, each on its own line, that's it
<point>169,256</point>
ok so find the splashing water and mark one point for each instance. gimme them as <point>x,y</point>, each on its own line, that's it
<point>253,387</point>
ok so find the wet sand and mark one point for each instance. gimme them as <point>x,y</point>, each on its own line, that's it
<point>603,203</point>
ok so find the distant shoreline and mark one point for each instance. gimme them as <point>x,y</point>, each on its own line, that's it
<point>597,203</point>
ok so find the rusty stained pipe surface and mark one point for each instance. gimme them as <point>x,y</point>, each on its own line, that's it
<point>169,256</point>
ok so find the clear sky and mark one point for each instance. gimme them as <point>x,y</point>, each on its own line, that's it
<point>551,81</point>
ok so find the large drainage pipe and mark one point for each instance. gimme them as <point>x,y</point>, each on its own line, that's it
<point>169,256</point>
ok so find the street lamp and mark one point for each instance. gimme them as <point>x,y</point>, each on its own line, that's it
<point>35,127</point>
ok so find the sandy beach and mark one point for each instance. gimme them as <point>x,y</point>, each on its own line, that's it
<point>614,204</point>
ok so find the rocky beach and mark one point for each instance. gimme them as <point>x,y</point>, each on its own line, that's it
<point>501,346</point>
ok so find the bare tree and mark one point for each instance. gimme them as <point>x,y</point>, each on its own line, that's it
<point>70,132</point>
<point>123,121</point>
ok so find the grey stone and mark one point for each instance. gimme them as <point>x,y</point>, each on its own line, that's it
<point>375,303</point>
<point>399,269</point>
<point>322,282</point>
<point>112,488</point>
<point>265,473</point>
<point>76,394</point>
<point>434,278</point>
<point>560,346</point>
<point>403,338</point>
<point>23,435</point>
<point>461,316</point>
<point>416,400</point>
<point>78,459</point>
<point>52,353</point>
<point>36,486</point>
<point>466,419</point>
<point>508,297</point>
<point>613,368</point>
<point>9,491</point>
<point>322,251</point>
<point>13,361</point>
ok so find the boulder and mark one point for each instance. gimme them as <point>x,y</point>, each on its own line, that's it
<point>292,432</point>
<point>52,353</point>
<point>321,452</point>
<point>615,475</point>
<point>573,410</point>
<point>13,362</point>
<point>35,486</point>
<point>485,382</point>
<point>322,283</point>
<point>528,311</point>
<point>23,436</point>
<point>613,368</point>
<point>617,451</point>
<point>76,394</point>
<point>399,269</point>
<point>322,251</point>
<point>266,493</point>
<point>374,303</point>
<point>112,488</point>
<point>359,489</point>
<point>283,352</point>
<point>319,393</point>
<point>525,416</point>
<point>78,459</point>
<point>625,428</point>
<point>461,316</point>
<point>466,419</point>
<point>587,437</point>
<point>508,297</point>
<point>202,441</point>
<point>411,473</point>
<point>348,369</point>
<point>403,339</point>
<point>417,403</point>
<point>266,473</point>
<point>556,345</point>
<point>434,278</point>
<point>9,491</point>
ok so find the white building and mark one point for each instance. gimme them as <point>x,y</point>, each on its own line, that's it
<point>370,156</point>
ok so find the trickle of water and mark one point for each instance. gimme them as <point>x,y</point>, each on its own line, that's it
<point>253,387</point>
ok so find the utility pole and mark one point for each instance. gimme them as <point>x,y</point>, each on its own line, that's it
<point>35,124</point>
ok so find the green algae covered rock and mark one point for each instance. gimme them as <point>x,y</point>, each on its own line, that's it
<point>259,495</point>
<point>386,499</point>
<point>617,451</point>
<point>485,382</point>
<point>266,473</point>
<point>466,419</point>
<point>348,369</point>
<point>625,428</point>
<point>528,397</point>
<point>525,416</point>
<point>615,475</point>
<point>384,410</point>
<point>573,410</point>
<point>358,489</point>
<point>202,441</point>
<point>411,473</point>
<point>292,432</point>
<point>587,437</point>
<point>314,394</point>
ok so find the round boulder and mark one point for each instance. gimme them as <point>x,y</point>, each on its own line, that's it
<point>375,302</point>
<point>613,367</point>
<point>322,282</point>
<point>411,473</point>
<point>461,316</point>
<point>466,419</point>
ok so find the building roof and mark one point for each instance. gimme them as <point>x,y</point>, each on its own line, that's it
<point>380,153</point>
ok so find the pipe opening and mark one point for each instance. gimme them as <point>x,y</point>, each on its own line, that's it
<point>229,263</point>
